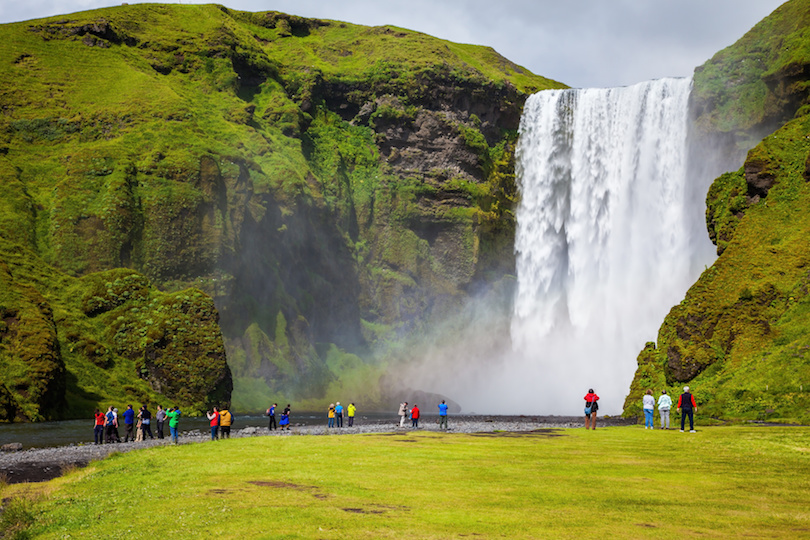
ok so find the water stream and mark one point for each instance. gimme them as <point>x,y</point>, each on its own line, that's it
<point>604,242</point>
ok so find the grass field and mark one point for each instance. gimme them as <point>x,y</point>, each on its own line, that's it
<point>722,482</point>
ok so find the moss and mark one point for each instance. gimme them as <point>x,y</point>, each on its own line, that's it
<point>740,338</point>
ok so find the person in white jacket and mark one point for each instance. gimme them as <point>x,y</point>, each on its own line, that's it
<point>648,402</point>
<point>664,405</point>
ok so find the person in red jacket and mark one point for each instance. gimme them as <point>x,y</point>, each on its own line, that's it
<point>687,407</point>
<point>98,427</point>
<point>591,406</point>
<point>213,418</point>
<point>415,416</point>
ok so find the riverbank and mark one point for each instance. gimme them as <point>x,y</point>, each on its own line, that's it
<point>42,464</point>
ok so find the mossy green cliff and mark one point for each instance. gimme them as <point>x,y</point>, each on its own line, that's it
<point>741,336</point>
<point>333,188</point>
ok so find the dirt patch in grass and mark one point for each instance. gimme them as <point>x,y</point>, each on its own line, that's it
<point>280,485</point>
<point>519,434</point>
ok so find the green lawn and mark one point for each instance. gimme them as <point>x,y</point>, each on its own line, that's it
<point>722,482</point>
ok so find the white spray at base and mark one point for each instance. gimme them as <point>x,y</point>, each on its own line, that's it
<point>603,243</point>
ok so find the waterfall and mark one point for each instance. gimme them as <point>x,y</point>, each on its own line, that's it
<point>603,243</point>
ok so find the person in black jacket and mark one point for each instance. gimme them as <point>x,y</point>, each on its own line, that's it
<point>687,407</point>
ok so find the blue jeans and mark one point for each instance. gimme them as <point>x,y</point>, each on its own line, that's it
<point>648,418</point>
<point>214,430</point>
<point>331,423</point>
<point>173,431</point>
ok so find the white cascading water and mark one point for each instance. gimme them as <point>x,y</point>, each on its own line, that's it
<point>603,240</point>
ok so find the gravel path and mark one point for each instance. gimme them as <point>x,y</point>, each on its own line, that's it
<point>40,464</point>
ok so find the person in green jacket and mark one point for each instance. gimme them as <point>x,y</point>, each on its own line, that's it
<point>174,419</point>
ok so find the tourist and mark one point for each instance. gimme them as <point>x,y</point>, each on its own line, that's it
<point>403,413</point>
<point>98,427</point>
<point>649,409</point>
<point>591,406</point>
<point>415,416</point>
<point>173,415</point>
<point>351,410</point>
<point>442,415</point>
<point>225,421</point>
<point>115,425</point>
<point>146,421</point>
<point>664,405</point>
<point>213,418</point>
<point>139,430</point>
<point>330,415</point>
<point>339,414</point>
<point>129,421</point>
<point>284,421</point>
<point>687,407</point>
<point>160,416</point>
<point>271,412</point>
<point>110,426</point>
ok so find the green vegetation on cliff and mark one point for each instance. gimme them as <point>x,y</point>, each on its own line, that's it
<point>741,336</point>
<point>334,188</point>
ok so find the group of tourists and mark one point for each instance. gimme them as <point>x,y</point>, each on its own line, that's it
<point>283,421</point>
<point>686,406</point>
<point>137,426</point>
<point>334,415</point>
<point>414,414</point>
<point>220,422</point>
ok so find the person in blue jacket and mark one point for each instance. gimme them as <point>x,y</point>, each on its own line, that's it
<point>442,415</point>
<point>129,422</point>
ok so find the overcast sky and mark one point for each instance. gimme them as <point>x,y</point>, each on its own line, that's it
<point>582,43</point>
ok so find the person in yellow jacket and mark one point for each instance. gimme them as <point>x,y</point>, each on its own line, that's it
<point>225,421</point>
<point>350,410</point>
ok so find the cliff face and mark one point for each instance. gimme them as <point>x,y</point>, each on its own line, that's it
<point>334,189</point>
<point>740,337</point>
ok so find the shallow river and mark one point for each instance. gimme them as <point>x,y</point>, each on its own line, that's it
<point>47,434</point>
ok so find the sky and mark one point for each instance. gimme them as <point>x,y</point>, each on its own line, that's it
<point>582,43</point>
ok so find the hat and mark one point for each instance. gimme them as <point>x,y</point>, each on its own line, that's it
<point>685,388</point>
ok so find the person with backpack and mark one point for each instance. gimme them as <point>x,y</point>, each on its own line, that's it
<point>110,426</point>
<point>146,421</point>
<point>271,412</point>
<point>225,421</point>
<point>591,406</point>
<point>687,407</point>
